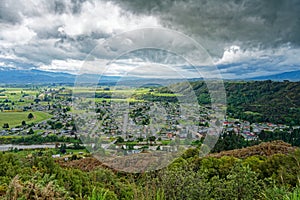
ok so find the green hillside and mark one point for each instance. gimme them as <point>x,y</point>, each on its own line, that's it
<point>257,101</point>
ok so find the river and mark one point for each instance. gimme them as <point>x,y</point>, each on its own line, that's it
<point>6,147</point>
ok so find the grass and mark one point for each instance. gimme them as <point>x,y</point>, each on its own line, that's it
<point>9,137</point>
<point>165,142</point>
<point>126,92</point>
<point>15,94</point>
<point>166,95</point>
<point>15,118</point>
<point>77,111</point>
<point>98,100</point>
<point>252,113</point>
<point>112,90</point>
<point>76,151</point>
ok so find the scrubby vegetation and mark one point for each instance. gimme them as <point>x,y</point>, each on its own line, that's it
<point>38,176</point>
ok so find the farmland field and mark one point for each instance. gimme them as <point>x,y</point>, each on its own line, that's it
<point>16,118</point>
<point>97,100</point>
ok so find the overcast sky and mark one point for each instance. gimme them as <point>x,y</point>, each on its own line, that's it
<point>244,38</point>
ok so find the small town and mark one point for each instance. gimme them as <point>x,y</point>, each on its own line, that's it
<point>120,127</point>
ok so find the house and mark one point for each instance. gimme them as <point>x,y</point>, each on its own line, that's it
<point>56,156</point>
<point>169,135</point>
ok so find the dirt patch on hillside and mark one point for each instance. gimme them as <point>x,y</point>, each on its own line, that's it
<point>134,163</point>
<point>84,164</point>
<point>263,149</point>
<point>92,163</point>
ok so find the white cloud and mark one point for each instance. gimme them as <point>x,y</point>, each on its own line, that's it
<point>104,17</point>
<point>42,36</point>
<point>284,55</point>
<point>238,63</point>
<point>12,35</point>
<point>96,16</point>
<point>69,65</point>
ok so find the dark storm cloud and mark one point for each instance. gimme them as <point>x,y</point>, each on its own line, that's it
<point>73,6</point>
<point>77,5</point>
<point>14,11</point>
<point>259,23</point>
<point>9,14</point>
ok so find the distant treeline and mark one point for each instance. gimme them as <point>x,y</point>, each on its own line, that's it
<point>256,101</point>
<point>231,140</point>
<point>36,139</point>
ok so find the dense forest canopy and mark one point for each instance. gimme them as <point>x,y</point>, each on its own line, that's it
<point>256,101</point>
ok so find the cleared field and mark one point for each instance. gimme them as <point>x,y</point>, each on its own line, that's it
<point>111,90</point>
<point>16,118</point>
<point>97,100</point>
<point>166,95</point>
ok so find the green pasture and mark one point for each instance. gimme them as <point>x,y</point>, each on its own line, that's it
<point>166,94</point>
<point>15,118</point>
<point>15,94</point>
<point>99,100</point>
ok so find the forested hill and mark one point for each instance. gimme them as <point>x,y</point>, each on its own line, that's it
<point>258,101</point>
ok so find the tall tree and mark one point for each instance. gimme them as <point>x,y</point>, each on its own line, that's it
<point>30,116</point>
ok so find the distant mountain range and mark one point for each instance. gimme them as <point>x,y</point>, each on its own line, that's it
<point>33,76</point>
<point>13,76</point>
<point>291,76</point>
